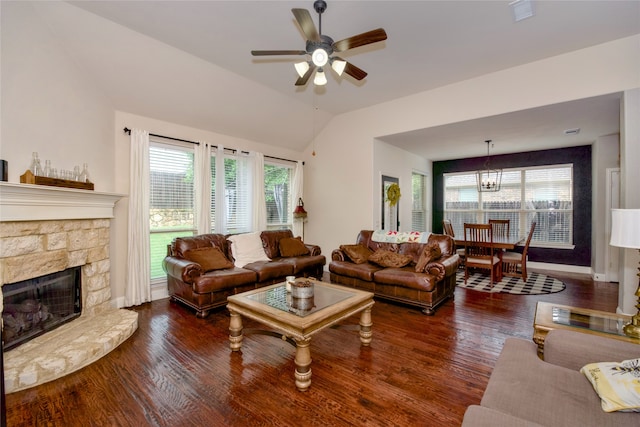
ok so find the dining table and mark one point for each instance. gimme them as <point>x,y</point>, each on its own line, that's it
<point>507,243</point>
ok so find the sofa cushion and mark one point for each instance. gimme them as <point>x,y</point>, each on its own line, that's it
<point>210,258</point>
<point>406,277</point>
<point>413,249</point>
<point>292,246</point>
<point>219,280</point>
<point>180,245</point>
<point>526,387</point>
<point>271,241</point>
<point>270,270</point>
<point>357,253</point>
<point>247,248</point>
<point>479,416</point>
<point>364,271</point>
<point>617,384</point>
<point>389,259</point>
<point>430,253</point>
<point>306,264</point>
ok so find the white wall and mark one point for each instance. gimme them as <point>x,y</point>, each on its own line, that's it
<point>339,184</point>
<point>49,105</point>
<point>392,161</point>
<point>629,194</point>
<point>605,154</point>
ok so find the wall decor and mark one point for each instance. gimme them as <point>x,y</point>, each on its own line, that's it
<point>390,218</point>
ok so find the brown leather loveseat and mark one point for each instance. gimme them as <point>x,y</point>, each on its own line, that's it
<point>206,288</point>
<point>427,288</point>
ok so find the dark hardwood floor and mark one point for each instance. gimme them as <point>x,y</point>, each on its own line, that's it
<point>177,370</point>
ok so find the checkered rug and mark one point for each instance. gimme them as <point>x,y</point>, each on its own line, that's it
<point>537,283</point>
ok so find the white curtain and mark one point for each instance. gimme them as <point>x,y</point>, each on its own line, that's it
<point>138,284</point>
<point>220,199</point>
<point>259,205</point>
<point>202,181</point>
<point>296,193</point>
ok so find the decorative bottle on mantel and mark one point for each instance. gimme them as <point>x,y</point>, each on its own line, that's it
<point>36,167</point>
<point>84,175</point>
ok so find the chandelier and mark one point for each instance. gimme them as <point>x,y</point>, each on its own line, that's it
<point>488,180</point>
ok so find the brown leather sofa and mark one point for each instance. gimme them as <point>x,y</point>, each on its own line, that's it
<point>203,291</point>
<point>426,289</point>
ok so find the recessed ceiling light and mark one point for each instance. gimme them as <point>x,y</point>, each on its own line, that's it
<point>574,131</point>
<point>522,9</point>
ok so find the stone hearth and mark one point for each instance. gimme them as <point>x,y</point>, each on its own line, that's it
<point>48,229</point>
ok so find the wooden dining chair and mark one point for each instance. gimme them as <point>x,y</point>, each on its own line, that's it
<point>479,251</point>
<point>511,261</point>
<point>448,230</point>
<point>500,227</point>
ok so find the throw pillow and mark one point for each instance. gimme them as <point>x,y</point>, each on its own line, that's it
<point>390,259</point>
<point>210,258</point>
<point>247,248</point>
<point>359,254</point>
<point>617,384</point>
<point>430,253</point>
<point>292,246</point>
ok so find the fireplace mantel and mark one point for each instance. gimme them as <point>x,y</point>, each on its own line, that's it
<point>27,202</point>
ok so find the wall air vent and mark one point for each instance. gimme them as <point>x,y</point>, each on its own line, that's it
<point>522,9</point>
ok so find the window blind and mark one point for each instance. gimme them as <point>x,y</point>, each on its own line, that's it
<point>418,202</point>
<point>541,194</point>
<point>172,199</point>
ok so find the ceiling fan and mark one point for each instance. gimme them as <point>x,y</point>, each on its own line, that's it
<point>321,48</point>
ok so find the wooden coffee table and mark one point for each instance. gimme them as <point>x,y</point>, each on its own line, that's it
<point>556,316</point>
<point>298,320</point>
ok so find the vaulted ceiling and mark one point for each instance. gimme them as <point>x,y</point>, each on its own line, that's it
<point>430,44</point>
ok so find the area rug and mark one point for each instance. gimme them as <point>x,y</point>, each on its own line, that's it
<point>536,284</point>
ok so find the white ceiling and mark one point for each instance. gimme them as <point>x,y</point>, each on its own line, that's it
<point>430,44</point>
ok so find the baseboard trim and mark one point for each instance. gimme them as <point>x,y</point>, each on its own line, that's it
<point>560,267</point>
<point>157,292</point>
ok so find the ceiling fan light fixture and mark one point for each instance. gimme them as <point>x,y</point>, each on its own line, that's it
<point>302,68</point>
<point>320,79</point>
<point>338,66</point>
<point>320,57</point>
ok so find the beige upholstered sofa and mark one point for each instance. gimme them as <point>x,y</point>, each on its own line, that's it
<point>526,391</point>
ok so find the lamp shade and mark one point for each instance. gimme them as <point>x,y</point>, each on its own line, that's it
<point>302,68</point>
<point>320,79</point>
<point>625,228</point>
<point>338,66</point>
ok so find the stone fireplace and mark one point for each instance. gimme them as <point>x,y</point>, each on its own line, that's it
<point>45,230</point>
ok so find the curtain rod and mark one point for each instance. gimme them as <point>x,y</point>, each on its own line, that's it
<point>127,130</point>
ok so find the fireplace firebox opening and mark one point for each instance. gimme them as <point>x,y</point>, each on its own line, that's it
<point>35,306</point>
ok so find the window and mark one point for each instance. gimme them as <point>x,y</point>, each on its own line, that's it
<point>418,202</point>
<point>277,185</point>
<point>235,204</point>
<point>171,208</point>
<point>541,194</point>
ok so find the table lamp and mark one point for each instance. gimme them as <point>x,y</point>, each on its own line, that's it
<point>625,233</point>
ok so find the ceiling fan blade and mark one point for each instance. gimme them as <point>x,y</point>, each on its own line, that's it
<point>277,52</point>
<point>355,72</point>
<point>306,23</point>
<point>303,80</point>
<point>369,37</point>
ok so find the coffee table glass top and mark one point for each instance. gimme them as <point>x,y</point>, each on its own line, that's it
<point>323,296</point>
<point>609,324</point>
